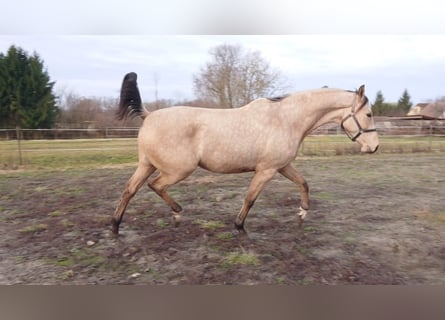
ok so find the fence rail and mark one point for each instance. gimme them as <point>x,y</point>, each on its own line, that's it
<point>390,130</point>
<point>51,134</point>
<point>109,133</point>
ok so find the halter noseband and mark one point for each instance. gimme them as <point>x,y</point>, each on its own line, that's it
<point>360,129</point>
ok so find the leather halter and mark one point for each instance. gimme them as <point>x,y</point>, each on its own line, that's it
<point>360,129</point>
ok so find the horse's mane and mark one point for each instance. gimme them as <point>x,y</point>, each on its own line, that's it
<point>278,99</point>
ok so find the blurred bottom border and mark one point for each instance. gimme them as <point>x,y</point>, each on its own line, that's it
<point>221,302</point>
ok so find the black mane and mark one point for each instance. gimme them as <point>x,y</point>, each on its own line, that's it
<point>278,99</point>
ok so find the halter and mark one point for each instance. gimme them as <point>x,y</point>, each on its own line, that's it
<point>360,129</point>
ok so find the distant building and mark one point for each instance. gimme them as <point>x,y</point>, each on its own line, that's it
<point>415,111</point>
<point>433,110</point>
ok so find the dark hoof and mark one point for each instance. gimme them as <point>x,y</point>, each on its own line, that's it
<point>239,227</point>
<point>114,235</point>
<point>114,227</point>
<point>114,232</point>
<point>239,230</point>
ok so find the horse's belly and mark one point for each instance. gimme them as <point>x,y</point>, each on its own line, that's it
<point>225,168</point>
<point>227,163</point>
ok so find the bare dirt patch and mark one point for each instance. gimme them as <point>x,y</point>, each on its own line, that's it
<point>373,220</point>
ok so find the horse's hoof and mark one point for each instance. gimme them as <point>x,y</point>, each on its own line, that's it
<point>176,207</point>
<point>114,230</point>
<point>239,234</point>
<point>176,218</point>
<point>239,230</point>
<point>302,214</point>
<point>239,227</point>
<point>114,233</point>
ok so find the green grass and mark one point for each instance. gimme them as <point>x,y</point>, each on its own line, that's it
<point>34,228</point>
<point>224,236</point>
<point>78,257</point>
<point>66,154</point>
<point>209,224</point>
<point>161,223</point>
<point>239,258</point>
<point>55,213</point>
<point>324,196</point>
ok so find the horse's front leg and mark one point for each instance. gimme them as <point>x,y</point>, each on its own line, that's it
<point>293,175</point>
<point>256,185</point>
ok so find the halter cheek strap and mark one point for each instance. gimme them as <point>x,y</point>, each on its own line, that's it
<point>360,129</point>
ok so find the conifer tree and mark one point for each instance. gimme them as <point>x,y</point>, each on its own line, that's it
<point>404,103</point>
<point>26,92</point>
<point>378,107</point>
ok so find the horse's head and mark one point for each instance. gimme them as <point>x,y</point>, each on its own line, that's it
<point>358,123</point>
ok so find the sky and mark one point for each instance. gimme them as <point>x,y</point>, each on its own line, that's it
<point>94,65</point>
<point>88,46</point>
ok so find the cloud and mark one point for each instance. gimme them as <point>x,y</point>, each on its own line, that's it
<point>95,65</point>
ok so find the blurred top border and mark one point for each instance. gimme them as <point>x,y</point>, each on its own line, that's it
<point>221,17</point>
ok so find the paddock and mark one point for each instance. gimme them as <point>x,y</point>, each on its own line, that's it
<point>376,219</point>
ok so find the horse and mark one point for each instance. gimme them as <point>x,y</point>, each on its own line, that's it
<point>261,137</point>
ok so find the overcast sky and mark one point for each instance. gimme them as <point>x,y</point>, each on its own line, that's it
<point>88,46</point>
<point>95,65</point>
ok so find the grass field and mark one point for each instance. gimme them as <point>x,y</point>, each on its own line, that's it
<point>65,154</point>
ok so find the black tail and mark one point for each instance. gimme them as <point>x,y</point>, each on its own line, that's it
<point>130,103</point>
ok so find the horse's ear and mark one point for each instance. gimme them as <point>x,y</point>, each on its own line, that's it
<point>361,91</point>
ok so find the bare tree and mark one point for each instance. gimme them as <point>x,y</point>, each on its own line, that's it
<point>82,112</point>
<point>235,77</point>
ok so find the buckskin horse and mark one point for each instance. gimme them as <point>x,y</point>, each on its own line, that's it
<point>262,136</point>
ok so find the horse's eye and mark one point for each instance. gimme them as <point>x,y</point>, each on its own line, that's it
<point>369,115</point>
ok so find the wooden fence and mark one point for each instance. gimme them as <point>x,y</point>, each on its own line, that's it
<point>384,127</point>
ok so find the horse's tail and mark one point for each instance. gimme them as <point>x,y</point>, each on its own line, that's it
<point>130,103</point>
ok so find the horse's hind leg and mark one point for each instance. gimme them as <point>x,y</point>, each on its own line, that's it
<point>134,183</point>
<point>293,175</point>
<point>162,182</point>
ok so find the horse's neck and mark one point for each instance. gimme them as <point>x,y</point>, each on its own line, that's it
<point>327,110</point>
<point>333,114</point>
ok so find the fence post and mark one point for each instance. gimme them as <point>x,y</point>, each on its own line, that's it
<point>431,137</point>
<point>18,133</point>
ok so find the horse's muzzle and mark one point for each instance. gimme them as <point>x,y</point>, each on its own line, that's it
<point>368,149</point>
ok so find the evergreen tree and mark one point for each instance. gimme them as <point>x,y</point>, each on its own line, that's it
<point>26,97</point>
<point>379,106</point>
<point>404,103</point>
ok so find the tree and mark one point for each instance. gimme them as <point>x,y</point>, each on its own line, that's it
<point>235,77</point>
<point>404,103</point>
<point>26,97</point>
<point>379,106</point>
<point>81,112</point>
<point>382,108</point>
